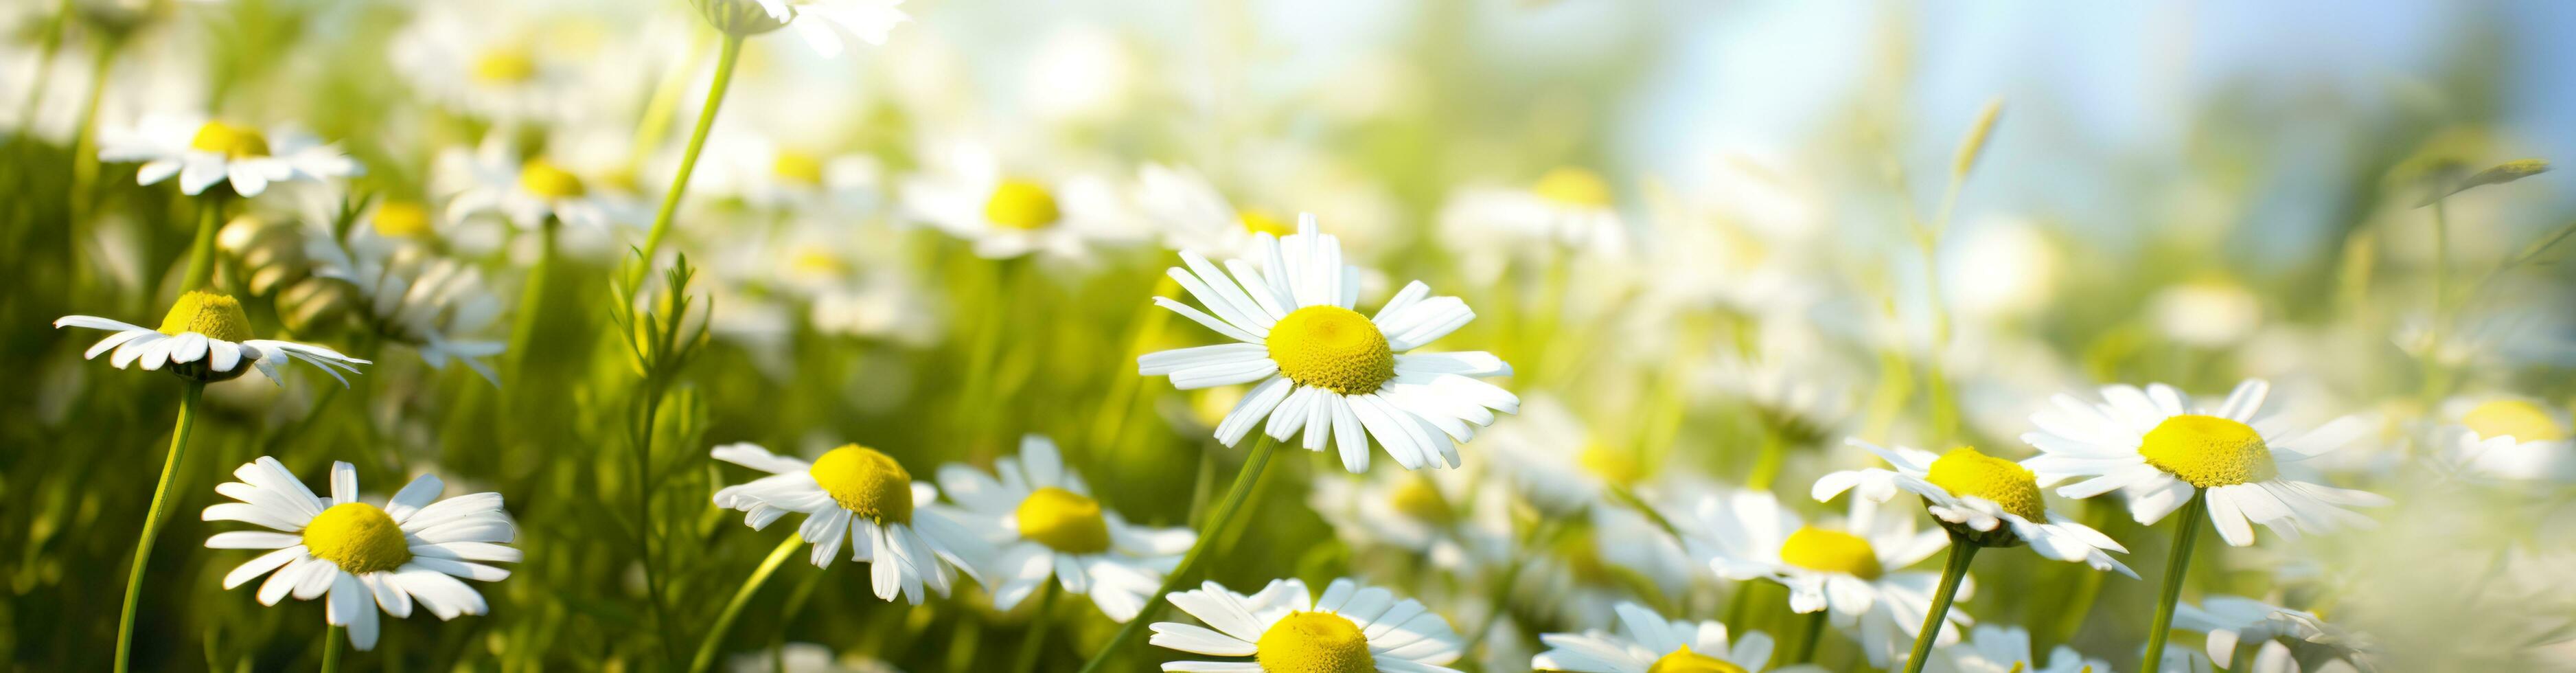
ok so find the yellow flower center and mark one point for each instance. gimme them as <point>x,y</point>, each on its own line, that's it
<point>1261,222</point>
<point>1966,473</point>
<point>1314,642</point>
<point>506,65</point>
<point>2208,451</point>
<point>1064,521</point>
<point>1416,496</point>
<point>358,537</point>
<point>1831,551</point>
<point>814,261</point>
<point>2519,419</point>
<point>229,140</point>
<point>543,178</point>
<point>218,316</point>
<point>798,167</point>
<point>401,219</point>
<point>1021,204</point>
<point>1612,465</point>
<point>866,482</point>
<point>1685,661</point>
<point>1332,347</point>
<point>1567,185</point>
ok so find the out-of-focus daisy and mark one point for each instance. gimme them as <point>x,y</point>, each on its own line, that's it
<point>2209,313</point>
<point>964,191</point>
<point>2006,649</point>
<point>1443,517</point>
<point>2232,621</point>
<point>1850,569</point>
<point>489,60</point>
<point>1986,500</point>
<point>205,337</point>
<point>2159,449</point>
<point>2275,657</point>
<point>862,497</point>
<point>821,22</point>
<point>768,174</point>
<point>1557,462</point>
<point>202,152</point>
<point>1568,207</point>
<point>1349,629</point>
<point>1192,214</point>
<point>2509,438</point>
<point>1579,574</point>
<point>436,306</point>
<point>1647,643</point>
<point>412,549</point>
<point>1324,368</point>
<point>493,179</point>
<point>1044,523</point>
<point>805,658</point>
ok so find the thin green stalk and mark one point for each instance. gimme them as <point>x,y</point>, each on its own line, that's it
<point>2175,566</point>
<point>201,252</point>
<point>732,52</point>
<point>331,648</point>
<point>85,140</point>
<point>2434,371</point>
<point>523,328</point>
<point>1766,465</point>
<point>644,514</point>
<point>733,608</point>
<point>152,520</point>
<point>1815,635</point>
<point>1038,623</point>
<point>1629,498</point>
<point>49,45</point>
<point>1961,552</point>
<point>1234,497</point>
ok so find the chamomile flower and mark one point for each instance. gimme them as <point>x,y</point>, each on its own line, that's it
<point>2006,649</point>
<point>1045,523</point>
<point>492,178</point>
<point>1850,569</point>
<point>2509,438</point>
<point>1349,629</point>
<point>203,152</point>
<point>1578,575</point>
<point>1647,643</point>
<point>862,497</point>
<point>2232,621</point>
<point>488,60</point>
<point>1568,207</point>
<point>436,306</point>
<point>821,22</point>
<point>2159,448</point>
<point>1447,518</point>
<point>360,557</point>
<point>205,338</point>
<point>1557,462</point>
<point>1192,214</point>
<point>768,174</point>
<point>1986,500</point>
<point>1325,369</point>
<point>965,192</point>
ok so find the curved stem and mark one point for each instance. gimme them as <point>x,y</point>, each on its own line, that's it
<point>201,252</point>
<point>2176,565</point>
<point>733,608</point>
<point>152,521</point>
<point>689,158</point>
<point>331,648</point>
<point>1961,552</point>
<point>1234,497</point>
<point>1815,635</point>
<point>1038,623</point>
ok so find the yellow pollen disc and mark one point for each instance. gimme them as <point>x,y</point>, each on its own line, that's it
<point>217,316</point>
<point>401,219</point>
<point>507,65</point>
<point>1612,465</point>
<point>797,167</point>
<point>2519,419</point>
<point>543,178</point>
<point>229,140</point>
<point>1685,661</point>
<point>1332,347</point>
<point>1831,551</point>
<point>1964,472</point>
<point>1260,222</point>
<point>358,537</point>
<point>1416,496</point>
<point>1064,521</point>
<point>1572,186</point>
<point>1021,204</point>
<point>2208,451</point>
<point>1314,642</point>
<point>815,262</point>
<point>866,482</point>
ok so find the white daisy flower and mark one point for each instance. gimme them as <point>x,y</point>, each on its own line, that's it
<point>1607,555</point>
<point>1568,207</point>
<point>964,191</point>
<point>821,22</point>
<point>2274,657</point>
<point>1192,214</point>
<point>1349,629</point>
<point>1325,369</point>
<point>202,152</point>
<point>2159,449</point>
<point>1986,500</point>
<point>860,496</point>
<point>1554,459</point>
<point>1044,523</point>
<point>493,179</point>
<point>412,549</point>
<point>1850,569</point>
<point>436,306</point>
<point>2509,438</point>
<point>1647,643</point>
<point>2006,649</point>
<point>206,338</point>
<point>487,59</point>
<point>772,175</point>
<point>2231,621</point>
<point>1443,517</point>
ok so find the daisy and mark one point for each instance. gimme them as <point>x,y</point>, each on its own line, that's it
<point>486,60</point>
<point>1646,643</point>
<point>433,305</point>
<point>1442,517</point>
<point>205,338</point>
<point>1192,214</point>
<point>412,549</point>
<point>202,152</point>
<point>1568,207</point>
<point>2006,649</point>
<point>1985,500</point>
<point>821,22</point>
<point>772,175</point>
<point>965,192</point>
<point>2509,438</point>
<point>1043,521</point>
<point>493,179</point>
<point>1557,462</point>
<point>2231,621</point>
<point>861,496</point>
<point>1580,573</point>
<point>1349,629</point>
<point>1850,569</point>
<point>1324,368</point>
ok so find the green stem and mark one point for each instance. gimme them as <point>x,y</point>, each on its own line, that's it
<point>532,299</point>
<point>1815,635</point>
<point>1961,552</point>
<point>733,608</point>
<point>2176,565</point>
<point>689,158</point>
<point>1038,623</point>
<point>644,515</point>
<point>2434,370</point>
<point>152,520</point>
<point>201,252</point>
<point>1766,465</point>
<point>1629,498</point>
<point>1234,497</point>
<point>49,45</point>
<point>331,648</point>
<point>85,140</point>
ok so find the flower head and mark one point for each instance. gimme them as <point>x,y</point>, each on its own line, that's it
<point>1047,524</point>
<point>1349,629</point>
<point>205,337</point>
<point>359,557</point>
<point>203,152</point>
<point>864,498</point>
<point>1986,500</point>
